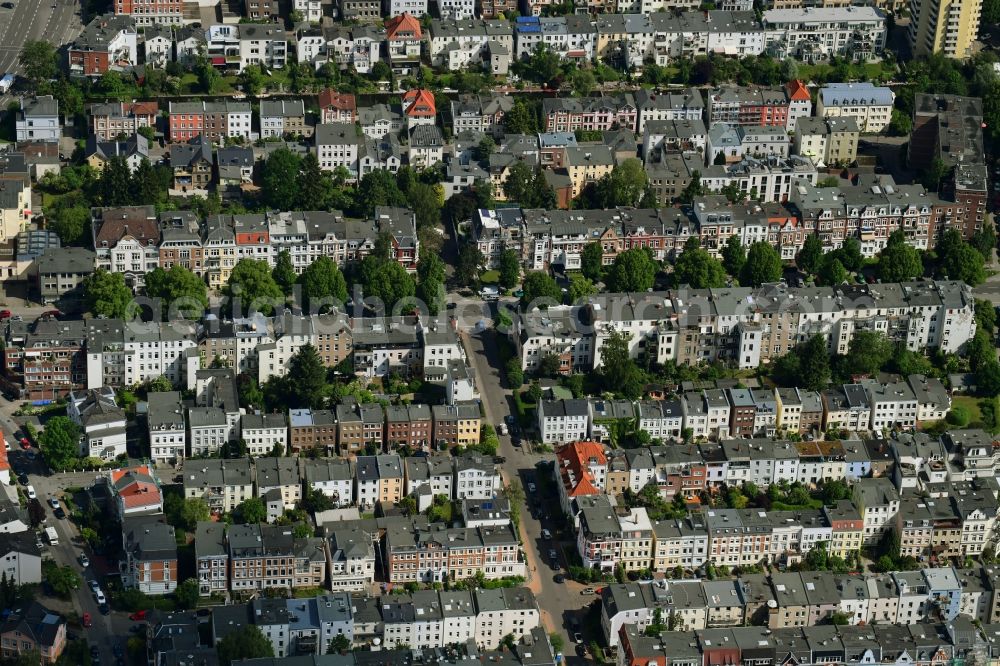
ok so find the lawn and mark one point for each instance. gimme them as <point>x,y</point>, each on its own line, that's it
<point>490,277</point>
<point>971,404</point>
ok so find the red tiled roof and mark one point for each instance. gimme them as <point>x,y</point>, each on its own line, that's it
<point>419,103</point>
<point>342,101</point>
<point>139,222</point>
<point>402,27</point>
<point>574,467</point>
<point>797,90</point>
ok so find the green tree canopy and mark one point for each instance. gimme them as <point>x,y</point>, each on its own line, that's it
<point>522,118</point>
<point>280,179</point>
<point>178,288</point>
<point>632,270</point>
<point>470,259</point>
<point>763,264</point>
<point>619,371</point>
<point>106,295</point>
<point>252,287</point>
<point>251,510</point>
<point>698,269</point>
<point>958,260</point>
<point>868,353</point>
<point>386,281</point>
<point>899,261</point>
<point>246,642</point>
<point>322,279</point>
<point>734,255</point>
<point>810,255</point>
<point>60,443</point>
<point>540,285</point>
<point>307,379</point>
<point>377,188</point>
<point>283,272</point>
<point>430,281</point>
<point>510,268</point>
<point>592,261</point>
<point>807,365</point>
<point>39,61</point>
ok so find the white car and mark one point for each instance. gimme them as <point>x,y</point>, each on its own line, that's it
<point>531,488</point>
<point>31,492</point>
<point>99,596</point>
<point>546,535</point>
<point>54,502</point>
<point>94,586</point>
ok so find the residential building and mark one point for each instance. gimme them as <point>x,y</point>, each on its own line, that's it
<point>150,563</point>
<point>101,421</point>
<point>107,43</point>
<point>456,425</point>
<point>38,119</point>
<point>264,433</point>
<point>33,628</point>
<point>869,105</point>
<point>222,483</point>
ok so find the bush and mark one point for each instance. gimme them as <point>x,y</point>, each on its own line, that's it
<point>959,416</point>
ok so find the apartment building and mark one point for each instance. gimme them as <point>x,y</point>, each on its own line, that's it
<point>223,483</point>
<point>270,556</point>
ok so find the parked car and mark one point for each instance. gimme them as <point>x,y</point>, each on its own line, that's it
<point>94,585</point>
<point>54,503</point>
<point>22,478</point>
<point>5,314</point>
<point>84,560</point>
<point>99,596</point>
<point>578,637</point>
<point>560,578</point>
<point>59,513</point>
<point>546,534</point>
<point>138,615</point>
<point>553,555</point>
<point>31,492</point>
<point>587,590</point>
<point>87,620</point>
<point>532,488</point>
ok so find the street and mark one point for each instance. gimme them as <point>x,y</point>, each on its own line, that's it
<point>559,603</point>
<point>55,21</point>
<point>106,628</point>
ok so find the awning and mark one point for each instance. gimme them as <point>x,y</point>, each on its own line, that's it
<point>218,60</point>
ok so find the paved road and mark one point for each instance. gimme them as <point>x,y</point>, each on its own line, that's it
<point>56,21</point>
<point>106,628</point>
<point>560,604</point>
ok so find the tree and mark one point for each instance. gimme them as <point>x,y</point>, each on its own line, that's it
<point>521,119</point>
<point>988,379</point>
<point>986,315</point>
<point>517,186</point>
<point>899,261</point>
<point>582,81</point>
<point>763,264</point>
<point>194,511</point>
<point>540,285</point>
<point>322,279</point>
<point>469,261</point>
<point>307,378</point>
<point>850,254</point>
<point>510,268</point>
<point>60,443</point>
<point>114,183</point>
<point>252,288</point>
<point>697,268</point>
<point>174,285</point>
<point>831,271</point>
<point>377,188</point>
<point>251,510</point>
<point>315,189</point>
<point>63,580</point>
<point>592,261</point>
<point>580,287</point>
<point>339,645</point>
<point>208,77</point>
<point>868,353</point>
<point>985,240</point>
<point>624,186</point>
<point>934,174</point>
<point>284,273</point>
<point>246,642</point>
<point>106,295</point>
<point>430,281</point>
<point>958,260</point>
<point>808,365</point>
<point>810,255</point>
<point>980,350</point>
<point>734,255</point>
<point>958,416</point>
<point>187,595</point>
<point>512,370</point>
<point>619,371</point>
<point>68,221</point>
<point>280,179</point>
<point>557,642</point>
<point>386,281</point>
<point>145,185</point>
<point>39,61</point>
<point>425,201</point>
<point>632,270</point>
<point>253,80</point>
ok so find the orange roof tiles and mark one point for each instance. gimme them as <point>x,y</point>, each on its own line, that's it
<point>574,467</point>
<point>403,26</point>
<point>332,98</point>
<point>797,90</point>
<point>419,103</point>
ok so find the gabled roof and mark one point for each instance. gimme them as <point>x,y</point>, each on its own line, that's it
<point>36,622</point>
<point>419,103</point>
<point>403,26</point>
<point>574,467</point>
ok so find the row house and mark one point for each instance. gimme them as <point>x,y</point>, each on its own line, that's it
<point>819,33</point>
<point>457,44</point>
<point>568,114</point>
<point>45,357</point>
<point>120,354</point>
<point>271,556</point>
<point>110,119</point>
<point>215,121</point>
<point>436,553</point>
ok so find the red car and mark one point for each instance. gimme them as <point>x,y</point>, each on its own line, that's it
<point>25,444</point>
<point>5,314</point>
<point>86,620</point>
<point>52,313</point>
<point>138,615</point>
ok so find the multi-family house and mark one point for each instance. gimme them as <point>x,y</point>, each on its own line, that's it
<point>336,107</point>
<point>102,423</point>
<point>108,42</point>
<point>126,241</point>
<point>150,563</point>
<point>351,560</point>
<point>332,477</point>
<point>280,476</point>
<point>457,424</point>
<point>270,556</point>
<point>167,426</point>
<point>379,480</point>
<point>211,558</point>
<point>264,433</point>
<point>223,484</point>
<point>110,119</point>
<point>283,117</point>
